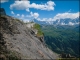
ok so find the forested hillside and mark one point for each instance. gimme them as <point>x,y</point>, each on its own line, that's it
<point>62,39</point>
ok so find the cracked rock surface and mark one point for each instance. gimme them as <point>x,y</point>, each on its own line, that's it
<point>18,38</point>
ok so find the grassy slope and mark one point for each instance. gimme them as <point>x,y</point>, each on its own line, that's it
<point>37,26</point>
<point>62,39</point>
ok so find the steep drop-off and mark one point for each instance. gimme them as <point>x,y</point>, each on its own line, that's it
<point>18,39</point>
<point>62,39</point>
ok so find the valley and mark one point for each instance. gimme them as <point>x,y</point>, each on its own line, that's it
<point>62,39</point>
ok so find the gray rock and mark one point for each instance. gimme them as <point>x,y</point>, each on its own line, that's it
<point>2,11</point>
<point>22,41</point>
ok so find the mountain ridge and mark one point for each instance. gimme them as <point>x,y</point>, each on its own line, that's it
<point>66,21</point>
<point>21,39</point>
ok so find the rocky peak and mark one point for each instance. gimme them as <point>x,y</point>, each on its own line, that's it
<point>2,11</point>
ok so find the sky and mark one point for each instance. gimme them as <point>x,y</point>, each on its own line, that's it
<point>43,10</point>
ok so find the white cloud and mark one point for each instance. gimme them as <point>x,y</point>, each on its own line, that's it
<point>18,14</point>
<point>20,5</point>
<point>44,19</point>
<point>25,19</point>
<point>24,0</point>
<point>63,23</point>
<point>27,10</point>
<point>50,19</point>
<point>47,6</point>
<point>61,16</point>
<point>21,0</point>
<point>66,15</point>
<point>70,23</point>
<point>26,5</point>
<point>12,12</point>
<point>16,0</point>
<point>39,19</point>
<point>3,1</point>
<point>28,16</point>
<point>35,15</point>
<point>22,15</point>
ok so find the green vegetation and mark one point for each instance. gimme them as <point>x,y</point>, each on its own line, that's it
<point>13,55</point>
<point>62,39</point>
<point>39,33</point>
<point>68,59</point>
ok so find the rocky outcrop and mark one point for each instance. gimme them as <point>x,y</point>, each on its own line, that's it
<point>2,47</point>
<point>18,38</point>
<point>34,32</point>
<point>64,55</point>
<point>2,11</point>
<point>5,28</point>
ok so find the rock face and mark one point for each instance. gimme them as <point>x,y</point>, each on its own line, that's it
<point>2,11</point>
<point>18,38</point>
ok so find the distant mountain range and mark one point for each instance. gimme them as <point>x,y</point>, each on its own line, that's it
<point>66,21</point>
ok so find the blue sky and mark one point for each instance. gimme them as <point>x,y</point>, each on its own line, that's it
<point>41,10</point>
